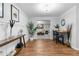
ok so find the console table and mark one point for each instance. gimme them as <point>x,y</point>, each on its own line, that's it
<point>11,39</point>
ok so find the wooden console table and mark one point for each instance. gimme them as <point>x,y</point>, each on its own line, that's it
<point>13,38</point>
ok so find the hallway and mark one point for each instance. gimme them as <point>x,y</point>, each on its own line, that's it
<point>46,48</point>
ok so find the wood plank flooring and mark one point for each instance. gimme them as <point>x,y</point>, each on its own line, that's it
<point>46,48</point>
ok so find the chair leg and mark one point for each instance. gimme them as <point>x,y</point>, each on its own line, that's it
<point>57,40</point>
<point>63,40</point>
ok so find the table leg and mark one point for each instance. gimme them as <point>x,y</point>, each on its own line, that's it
<point>24,42</point>
<point>20,40</point>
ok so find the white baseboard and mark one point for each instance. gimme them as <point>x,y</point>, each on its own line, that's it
<point>75,48</point>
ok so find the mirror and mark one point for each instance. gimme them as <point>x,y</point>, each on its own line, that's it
<point>1,10</point>
<point>63,22</point>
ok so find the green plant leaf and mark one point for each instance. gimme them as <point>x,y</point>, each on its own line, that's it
<point>31,29</point>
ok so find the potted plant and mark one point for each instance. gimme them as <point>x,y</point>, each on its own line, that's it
<point>31,29</point>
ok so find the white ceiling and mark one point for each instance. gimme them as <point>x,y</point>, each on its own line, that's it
<point>31,9</point>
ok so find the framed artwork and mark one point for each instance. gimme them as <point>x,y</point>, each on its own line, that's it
<point>1,10</point>
<point>63,22</point>
<point>14,13</point>
<point>40,26</point>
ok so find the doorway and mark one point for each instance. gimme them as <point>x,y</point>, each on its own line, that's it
<point>43,29</point>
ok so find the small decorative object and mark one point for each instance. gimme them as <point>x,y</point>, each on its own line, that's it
<point>14,13</point>
<point>63,22</point>
<point>21,31</point>
<point>1,10</point>
<point>12,22</point>
<point>57,26</point>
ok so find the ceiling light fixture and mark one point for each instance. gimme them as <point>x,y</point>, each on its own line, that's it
<point>46,7</point>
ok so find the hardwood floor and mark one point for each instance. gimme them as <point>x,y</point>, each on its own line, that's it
<point>46,48</point>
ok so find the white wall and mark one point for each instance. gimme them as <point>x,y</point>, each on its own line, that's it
<point>5,31</point>
<point>22,24</point>
<point>77,30</point>
<point>53,21</point>
<point>70,17</point>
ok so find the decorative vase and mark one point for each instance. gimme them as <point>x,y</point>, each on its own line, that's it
<point>30,37</point>
<point>12,22</point>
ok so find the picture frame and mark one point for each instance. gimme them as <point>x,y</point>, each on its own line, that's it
<point>1,10</point>
<point>40,26</point>
<point>14,13</point>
